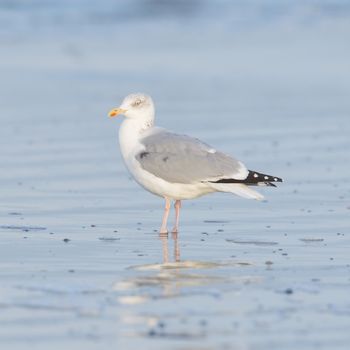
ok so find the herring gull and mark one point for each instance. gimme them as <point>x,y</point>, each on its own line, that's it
<point>178,167</point>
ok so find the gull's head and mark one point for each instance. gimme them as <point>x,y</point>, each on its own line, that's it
<point>135,106</point>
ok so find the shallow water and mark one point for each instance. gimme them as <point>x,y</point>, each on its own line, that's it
<point>82,264</point>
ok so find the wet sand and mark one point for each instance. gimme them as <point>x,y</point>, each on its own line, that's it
<point>82,264</point>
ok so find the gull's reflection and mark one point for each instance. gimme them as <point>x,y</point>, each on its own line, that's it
<point>165,247</point>
<point>174,277</point>
<point>167,280</point>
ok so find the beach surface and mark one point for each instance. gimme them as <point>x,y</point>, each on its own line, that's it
<point>82,265</point>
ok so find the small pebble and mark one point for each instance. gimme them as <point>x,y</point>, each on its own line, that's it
<point>152,333</point>
<point>203,323</point>
<point>161,324</point>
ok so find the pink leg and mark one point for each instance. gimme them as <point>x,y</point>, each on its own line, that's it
<point>163,228</point>
<point>177,215</point>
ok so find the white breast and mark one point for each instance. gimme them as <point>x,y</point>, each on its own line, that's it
<point>130,133</point>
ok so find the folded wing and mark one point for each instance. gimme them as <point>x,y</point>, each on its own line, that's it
<point>183,159</point>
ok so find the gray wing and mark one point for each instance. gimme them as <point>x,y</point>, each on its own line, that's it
<point>183,159</point>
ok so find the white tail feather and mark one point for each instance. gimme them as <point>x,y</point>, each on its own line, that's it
<point>238,189</point>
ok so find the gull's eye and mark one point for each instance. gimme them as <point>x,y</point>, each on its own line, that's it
<point>137,102</point>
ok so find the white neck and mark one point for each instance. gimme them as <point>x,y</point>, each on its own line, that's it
<point>130,132</point>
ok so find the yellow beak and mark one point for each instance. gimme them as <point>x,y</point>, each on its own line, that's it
<point>116,111</point>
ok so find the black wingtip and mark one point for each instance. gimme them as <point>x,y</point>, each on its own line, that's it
<point>254,178</point>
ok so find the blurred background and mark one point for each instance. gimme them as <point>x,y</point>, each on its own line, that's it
<point>266,81</point>
<point>245,68</point>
